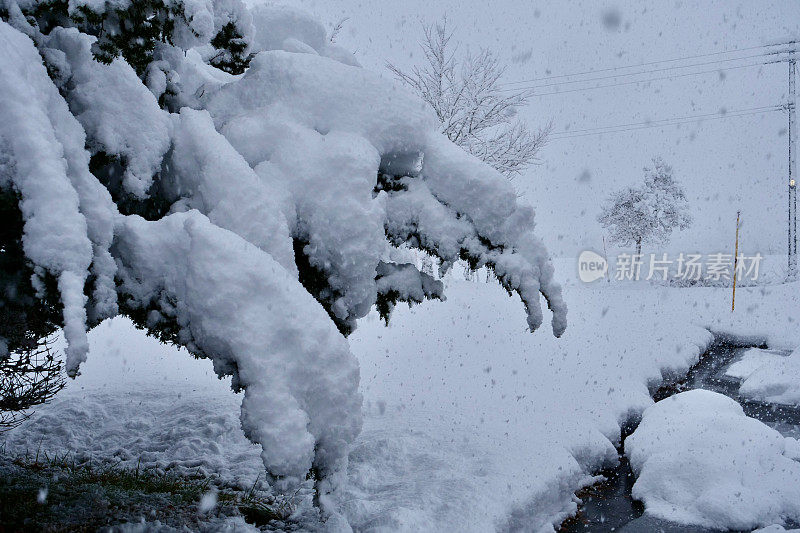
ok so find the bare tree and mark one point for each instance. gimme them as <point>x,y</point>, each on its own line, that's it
<point>28,378</point>
<point>475,111</point>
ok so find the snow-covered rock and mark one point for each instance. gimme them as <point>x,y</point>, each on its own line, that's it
<point>699,460</point>
<point>752,360</point>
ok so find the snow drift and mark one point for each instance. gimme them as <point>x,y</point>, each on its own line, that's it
<point>778,382</point>
<point>220,210</point>
<point>701,461</point>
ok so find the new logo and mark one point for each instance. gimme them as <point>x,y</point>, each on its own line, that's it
<point>591,266</point>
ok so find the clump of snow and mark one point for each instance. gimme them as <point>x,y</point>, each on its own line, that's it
<point>282,27</point>
<point>98,6</point>
<point>230,524</point>
<point>701,461</point>
<point>183,77</point>
<point>239,307</point>
<point>120,115</point>
<point>404,282</point>
<point>208,501</point>
<point>329,141</point>
<point>55,233</point>
<point>277,23</point>
<point>775,381</point>
<point>206,173</point>
<point>751,360</point>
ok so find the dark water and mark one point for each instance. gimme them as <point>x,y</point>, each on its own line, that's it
<point>609,506</point>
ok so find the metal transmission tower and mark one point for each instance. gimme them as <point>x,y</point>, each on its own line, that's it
<point>792,272</point>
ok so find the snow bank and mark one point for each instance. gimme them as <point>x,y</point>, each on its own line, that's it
<point>775,528</point>
<point>141,402</point>
<point>471,423</point>
<point>751,360</point>
<point>768,376</point>
<point>461,382</point>
<point>700,460</point>
<point>776,381</point>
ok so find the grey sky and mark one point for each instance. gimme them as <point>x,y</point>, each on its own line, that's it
<point>725,165</point>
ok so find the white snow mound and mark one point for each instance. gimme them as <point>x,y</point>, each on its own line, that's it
<point>701,461</point>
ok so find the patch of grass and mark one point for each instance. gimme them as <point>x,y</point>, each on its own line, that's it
<point>111,476</point>
<point>54,493</point>
<point>258,510</point>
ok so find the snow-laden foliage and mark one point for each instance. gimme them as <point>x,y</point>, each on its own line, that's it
<point>219,210</point>
<point>28,379</point>
<point>648,213</point>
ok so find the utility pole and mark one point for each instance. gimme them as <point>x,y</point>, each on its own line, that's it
<point>792,272</point>
<point>735,263</point>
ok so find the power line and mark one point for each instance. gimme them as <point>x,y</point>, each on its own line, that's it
<point>720,113</point>
<point>647,80</point>
<point>612,129</point>
<point>620,128</point>
<point>615,76</point>
<point>649,63</point>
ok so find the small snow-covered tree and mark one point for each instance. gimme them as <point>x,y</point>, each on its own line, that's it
<point>648,213</point>
<point>475,112</point>
<point>252,219</point>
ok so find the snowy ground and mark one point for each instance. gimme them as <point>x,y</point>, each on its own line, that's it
<point>471,422</point>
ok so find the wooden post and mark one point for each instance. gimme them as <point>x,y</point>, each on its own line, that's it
<point>735,263</point>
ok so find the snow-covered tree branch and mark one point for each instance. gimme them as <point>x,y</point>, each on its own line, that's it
<point>247,217</point>
<point>474,110</point>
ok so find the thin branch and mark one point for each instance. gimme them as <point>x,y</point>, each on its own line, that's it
<point>337,29</point>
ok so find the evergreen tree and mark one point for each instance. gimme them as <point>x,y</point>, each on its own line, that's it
<point>133,32</point>
<point>116,199</point>
<point>232,56</point>
<point>28,378</point>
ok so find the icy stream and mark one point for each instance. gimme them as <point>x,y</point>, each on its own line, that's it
<point>609,506</point>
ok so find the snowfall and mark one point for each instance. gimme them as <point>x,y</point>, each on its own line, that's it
<point>470,422</point>
<point>462,419</point>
